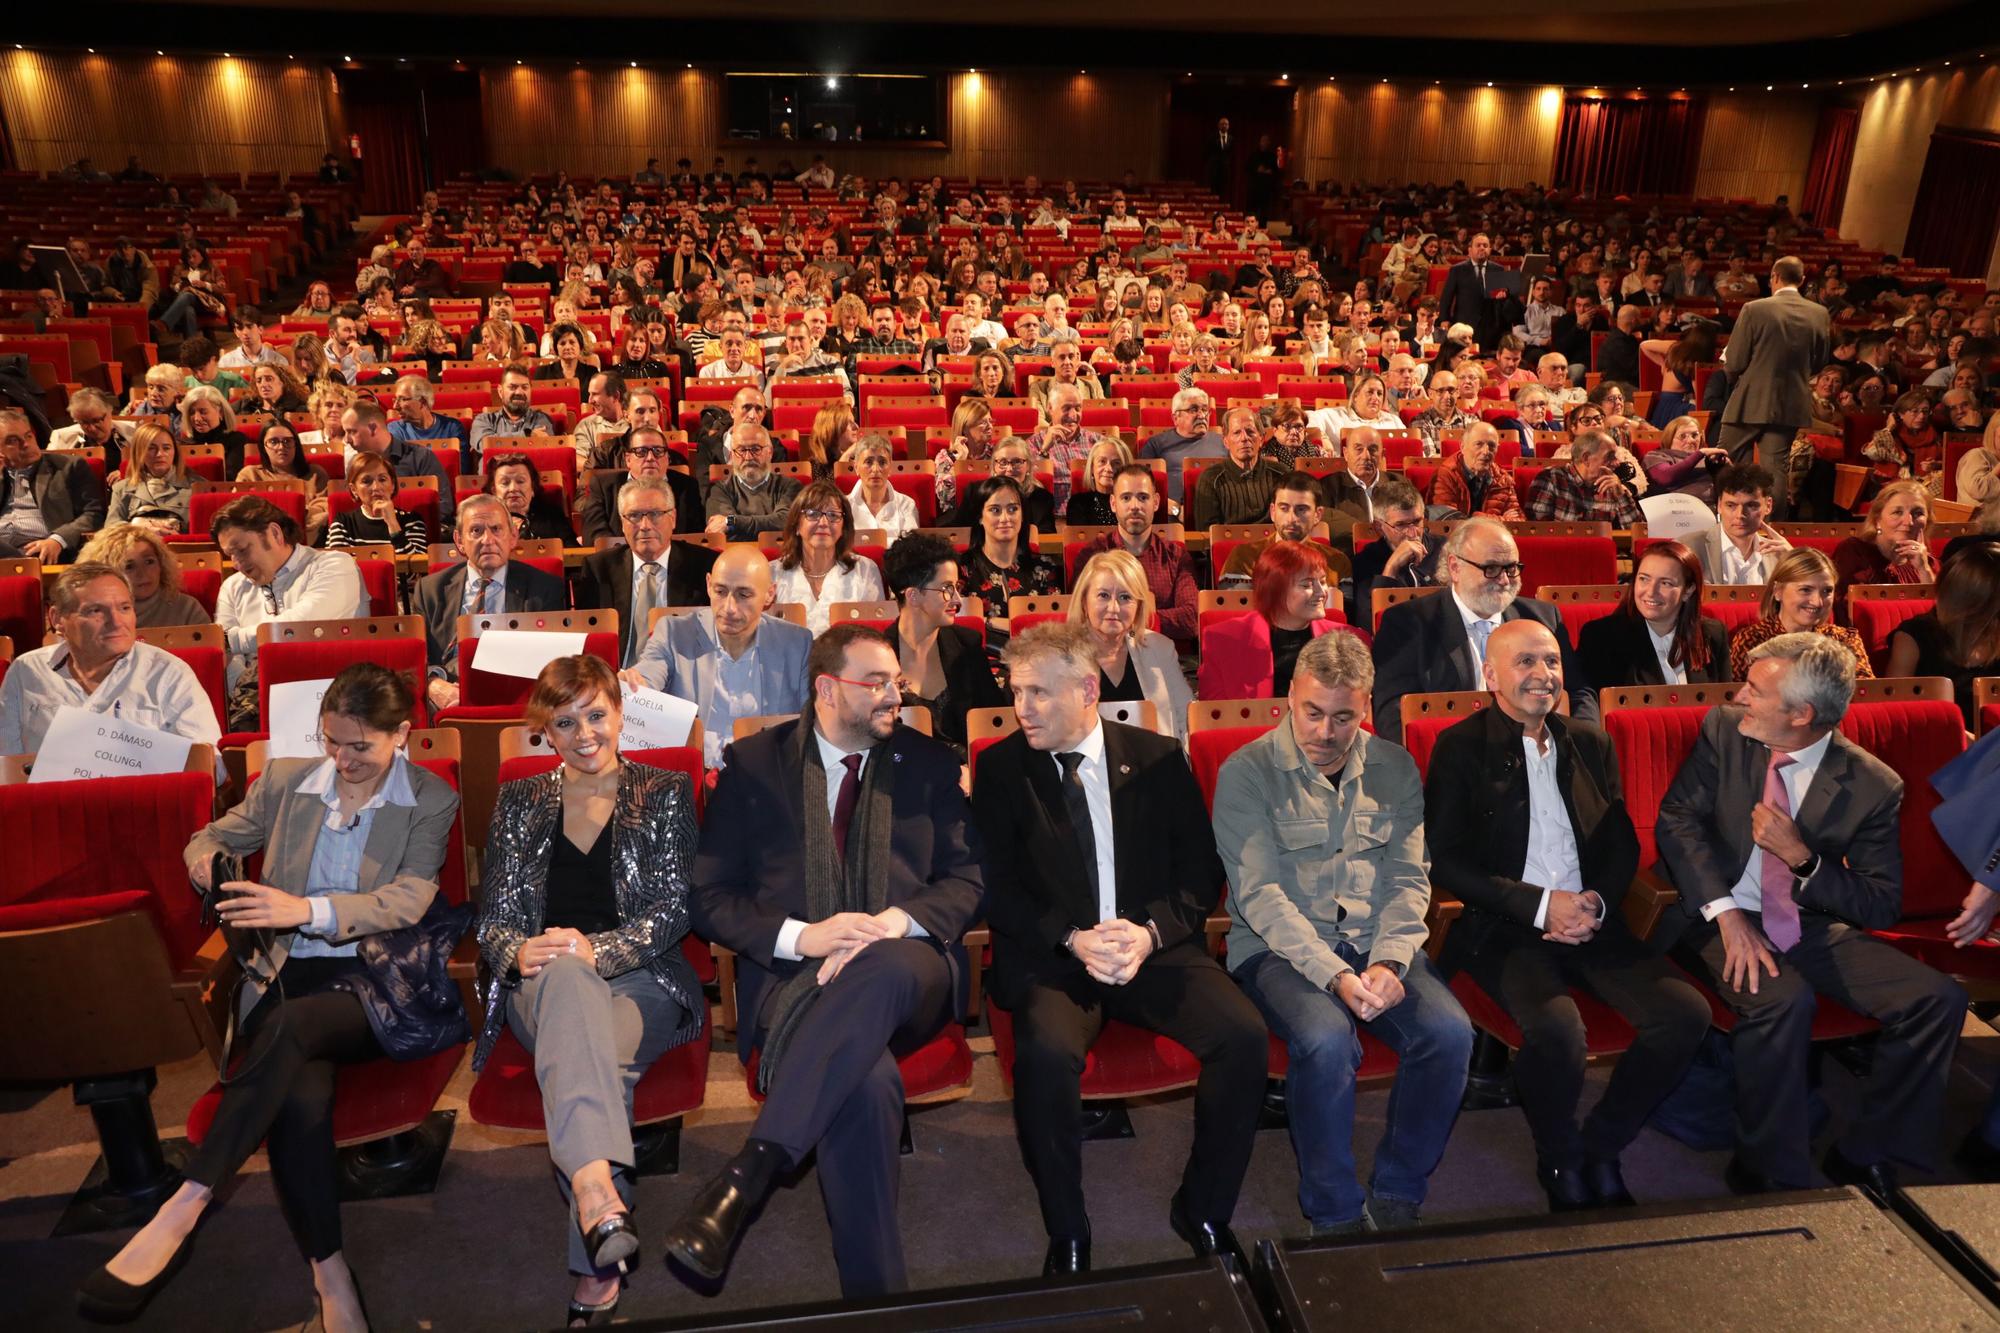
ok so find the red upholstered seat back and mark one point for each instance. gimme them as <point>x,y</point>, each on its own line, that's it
<point>1420,735</point>
<point>1589,560</point>
<point>1876,620</point>
<point>282,661</point>
<point>210,666</point>
<point>1576,615</point>
<point>481,689</point>
<point>1208,750</point>
<point>21,611</point>
<point>1917,737</point>
<point>452,877</point>
<point>86,839</point>
<point>921,487</point>
<point>378,577</point>
<point>203,504</point>
<point>1733,615</point>
<point>202,585</point>
<point>1652,744</point>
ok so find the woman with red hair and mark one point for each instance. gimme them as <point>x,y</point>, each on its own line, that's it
<point>1658,635</point>
<point>1251,657</point>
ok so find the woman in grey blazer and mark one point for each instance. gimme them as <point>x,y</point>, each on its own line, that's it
<point>583,906</point>
<point>352,847</point>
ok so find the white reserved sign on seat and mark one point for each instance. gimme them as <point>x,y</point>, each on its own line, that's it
<point>524,652</point>
<point>294,719</point>
<point>81,744</point>
<point>655,720</point>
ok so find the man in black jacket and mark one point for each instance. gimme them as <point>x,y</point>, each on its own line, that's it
<point>1618,357</point>
<point>1526,823</point>
<point>649,572</point>
<point>1103,870</point>
<point>840,864</point>
<point>63,502</point>
<point>642,451</point>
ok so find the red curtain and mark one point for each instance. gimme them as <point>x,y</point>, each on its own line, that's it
<point>454,124</point>
<point>1832,157</point>
<point>1629,145</point>
<point>1958,203</point>
<point>385,109</point>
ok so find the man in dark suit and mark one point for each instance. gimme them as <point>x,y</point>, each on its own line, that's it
<point>63,504</point>
<point>1218,161</point>
<point>1468,294</point>
<point>1103,871</point>
<point>1689,282</point>
<point>644,453</point>
<point>1406,556</point>
<point>1784,839</point>
<point>1571,332</point>
<point>1774,349</point>
<point>1527,824</point>
<point>486,582</point>
<point>1618,355</point>
<point>839,864</point>
<point>1433,643</point>
<point>650,571</point>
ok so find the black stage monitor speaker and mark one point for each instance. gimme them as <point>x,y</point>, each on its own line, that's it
<point>1182,1297</point>
<point>1821,1260</point>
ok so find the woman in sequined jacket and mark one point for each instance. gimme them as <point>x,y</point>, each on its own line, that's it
<point>584,907</point>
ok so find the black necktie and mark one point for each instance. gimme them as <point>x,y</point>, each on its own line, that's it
<point>1078,803</point>
<point>843,805</point>
<point>1481,270</point>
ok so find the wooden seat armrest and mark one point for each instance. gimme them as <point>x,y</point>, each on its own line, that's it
<point>725,987</point>
<point>203,987</point>
<point>1444,910</point>
<point>464,962</point>
<point>1650,898</point>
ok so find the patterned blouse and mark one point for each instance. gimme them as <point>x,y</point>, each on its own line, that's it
<point>1757,631</point>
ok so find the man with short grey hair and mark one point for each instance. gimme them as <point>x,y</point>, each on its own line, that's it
<point>487,582</point>
<point>1584,489</point>
<point>93,424</point>
<point>649,571</point>
<point>1066,366</point>
<point>1189,437</point>
<point>1783,838</point>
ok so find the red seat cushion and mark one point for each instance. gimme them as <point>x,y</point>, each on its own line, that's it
<point>371,1100</point>
<point>508,1097</point>
<point>211,668</point>
<point>1917,737</point>
<point>1925,941</point>
<point>50,912</point>
<point>1124,1061</point>
<point>1605,1031</point>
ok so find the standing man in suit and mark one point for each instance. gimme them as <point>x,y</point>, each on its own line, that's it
<point>732,659</point>
<point>1475,290</point>
<point>1219,161</point>
<point>650,570</point>
<point>1527,824</point>
<point>1774,348</point>
<point>840,864</point>
<point>486,582</point>
<point>1103,870</point>
<point>1323,831</point>
<point>49,503</point>
<point>1438,643</point>
<point>1784,839</point>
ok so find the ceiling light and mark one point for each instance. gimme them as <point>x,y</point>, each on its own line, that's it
<point>1283,77</point>
<point>832,83</point>
<point>635,64</point>
<point>227,56</point>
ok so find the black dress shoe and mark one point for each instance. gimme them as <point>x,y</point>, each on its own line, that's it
<point>1206,1239</point>
<point>1606,1183</point>
<point>1742,1178</point>
<point>1978,1158</point>
<point>707,1232</point>
<point>104,1299</point>
<point>1877,1179</point>
<point>612,1241</point>
<point>1568,1189</point>
<point>1066,1258</point>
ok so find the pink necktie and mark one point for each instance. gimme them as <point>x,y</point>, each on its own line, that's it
<point>1774,877</point>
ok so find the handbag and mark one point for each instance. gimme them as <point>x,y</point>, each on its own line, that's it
<point>405,985</point>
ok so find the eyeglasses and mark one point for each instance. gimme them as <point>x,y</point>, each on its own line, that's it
<point>648,451</point>
<point>653,516</point>
<point>876,689</point>
<point>821,515</point>
<point>948,591</point>
<point>1503,572</point>
<point>751,450</point>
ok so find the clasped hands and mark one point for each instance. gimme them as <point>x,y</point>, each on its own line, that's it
<point>1572,918</point>
<point>1371,993</point>
<point>1111,951</point>
<point>538,951</point>
<point>844,934</point>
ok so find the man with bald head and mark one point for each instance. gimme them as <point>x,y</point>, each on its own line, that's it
<point>1438,642</point>
<point>1527,825</point>
<point>731,658</point>
<point>1350,495</point>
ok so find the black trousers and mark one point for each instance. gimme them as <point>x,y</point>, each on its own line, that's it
<point>285,1095</point>
<point>1902,1104</point>
<point>838,1090</point>
<point>1196,1005</point>
<point>1532,981</point>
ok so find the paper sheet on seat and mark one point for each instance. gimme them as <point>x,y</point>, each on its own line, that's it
<point>293,719</point>
<point>81,744</point>
<point>524,652</point>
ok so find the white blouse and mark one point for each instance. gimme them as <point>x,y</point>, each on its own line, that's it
<point>896,517</point>
<point>862,583</point>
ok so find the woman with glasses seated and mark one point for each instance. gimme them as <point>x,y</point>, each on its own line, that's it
<point>816,566</point>
<point>942,665</point>
<point>284,459</point>
<point>1135,664</point>
<point>1252,656</point>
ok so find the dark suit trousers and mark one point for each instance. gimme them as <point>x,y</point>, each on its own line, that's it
<point>1769,447</point>
<point>838,1090</point>
<point>284,1093</point>
<point>1196,1005</point>
<point>1532,983</point>
<point>1902,1103</point>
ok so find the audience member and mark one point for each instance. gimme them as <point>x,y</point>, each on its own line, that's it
<point>1189,437</point>
<point>643,452</point>
<point>1002,562</point>
<point>50,503</point>
<point>1135,664</point>
<point>157,487</point>
<point>943,663</point>
<point>1959,637</point>
<point>151,571</point>
<point>487,581</point>
<point>1473,482</point>
<point>1585,488</point>
<point>1891,547</point>
<point>752,499</point>
<point>539,514</point>
<point>1251,656</point>
<point>375,518</point>
<point>816,564</point>
<point>510,414</point>
<point>1657,635</point>
<point>1238,489</point>
<point>648,571</point>
<point>1799,598</point>
<point>1776,344</point>
<point>367,429</point>
<point>277,578</point>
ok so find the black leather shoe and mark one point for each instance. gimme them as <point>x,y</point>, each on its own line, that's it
<point>612,1241</point>
<point>1978,1158</point>
<point>1206,1239</point>
<point>707,1232</point>
<point>1742,1178</point>
<point>1606,1183</point>
<point>1567,1187</point>
<point>1878,1179</point>
<point>1066,1258</point>
<point>104,1299</point>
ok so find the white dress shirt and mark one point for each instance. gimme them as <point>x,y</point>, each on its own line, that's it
<point>1748,893</point>
<point>1663,648</point>
<point>897,515</point>
<point>1095,775</point>
<point>732,693</point>
<point>148,686</point>
<point>830,757</point>
<point>495,601</point>
<point>312,585</point>
<point>1478,651</point>
<point>861,582</point>
<point>1738,569</point>
<point>1552,857</point>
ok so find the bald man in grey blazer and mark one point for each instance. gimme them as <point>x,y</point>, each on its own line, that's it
<point>1774,348</point>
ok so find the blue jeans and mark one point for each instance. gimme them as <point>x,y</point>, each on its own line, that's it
<point>1428,1031</point>
<point>183,315</point>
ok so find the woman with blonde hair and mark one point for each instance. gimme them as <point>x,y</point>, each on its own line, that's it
<point>326,406</point>
<point>1799,599</point>
<point>832,435</point>
<point>1891,547</point>
<point>992,374</point>
<point>500,344</point>
<point>1090,504</point>
<point>1256,342</point>
<point>309,361</point>
<point>153,572</point>
<point>1134,664</point>
<point>973,435</point>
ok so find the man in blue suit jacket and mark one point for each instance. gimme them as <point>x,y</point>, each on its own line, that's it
<point>1427,646</point>
<point>1965,818</point>
<point>1467,296</point>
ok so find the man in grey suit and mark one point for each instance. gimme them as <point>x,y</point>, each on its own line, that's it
<point>1783,838</point>
<point>485,535</point>
<point>1777,344</point>
<point>730,659</point>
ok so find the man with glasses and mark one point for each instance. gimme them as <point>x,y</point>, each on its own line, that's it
<point>1406,556</point>
<point>1437,643</point>
<point>644,453</point>
<point>846,917</point>
<point>93,424</point>
<point>752,499</point>
<point>1554,372</point>
<point>1189,437</point>
<point>487,582</point>
<point>649,571</point>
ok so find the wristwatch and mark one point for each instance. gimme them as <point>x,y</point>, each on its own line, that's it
<point>1069,940</point>
<point>1805,868</point>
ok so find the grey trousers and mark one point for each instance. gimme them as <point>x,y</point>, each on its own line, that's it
<point>1769,447</point>
<point>592,1039</point>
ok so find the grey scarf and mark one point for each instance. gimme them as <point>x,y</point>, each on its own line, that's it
<point>862,885</point>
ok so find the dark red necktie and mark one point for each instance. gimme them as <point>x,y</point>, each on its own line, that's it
<point>843,805</point>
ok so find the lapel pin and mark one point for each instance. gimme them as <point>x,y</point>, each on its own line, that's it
<point>896,756</point>
<point>1125,768</point>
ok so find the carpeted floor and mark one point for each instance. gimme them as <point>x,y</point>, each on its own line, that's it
<point>485,1251</point>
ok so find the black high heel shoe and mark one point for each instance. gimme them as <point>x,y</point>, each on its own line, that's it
<point>612,1241</point>
<point>596,1316</point>
<point>104,1299</point>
